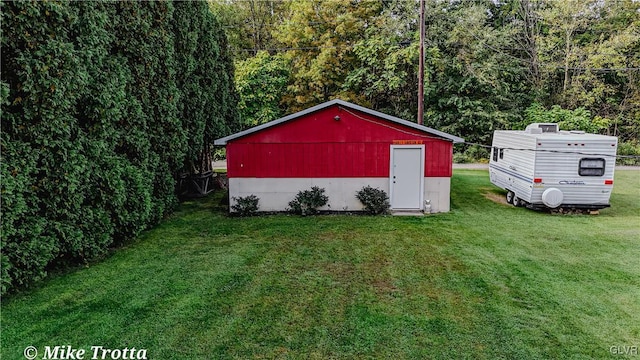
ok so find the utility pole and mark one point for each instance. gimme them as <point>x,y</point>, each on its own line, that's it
<point>421,70</point>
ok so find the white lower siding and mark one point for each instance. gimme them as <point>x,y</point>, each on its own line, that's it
<point>438,191</point>
<point>275,193</point>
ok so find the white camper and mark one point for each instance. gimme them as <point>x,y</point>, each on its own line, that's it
<point>543,167</point>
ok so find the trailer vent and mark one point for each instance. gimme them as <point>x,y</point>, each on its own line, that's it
<point>549,128</point>
<point>538,128</point>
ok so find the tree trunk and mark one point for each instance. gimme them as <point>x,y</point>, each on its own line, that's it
<point>566,61</point>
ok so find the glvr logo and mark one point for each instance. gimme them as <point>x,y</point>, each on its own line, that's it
<point>624,350</point>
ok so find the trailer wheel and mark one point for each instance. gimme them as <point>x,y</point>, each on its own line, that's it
<point>517,202</point>
<point>510,196</point>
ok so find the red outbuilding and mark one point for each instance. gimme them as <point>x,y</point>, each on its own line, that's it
<point>341,147</point>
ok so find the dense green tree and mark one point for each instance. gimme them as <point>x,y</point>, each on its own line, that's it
<point>249,24</point>
<point>261,82</point>
<point>473,85</point>
<point>94,123</point>
<point>385,71</point>
<point>565,21</point>
<point>320,36</point>
<point>42,146</point>
<point>208,103</point>
<point>606,79</point>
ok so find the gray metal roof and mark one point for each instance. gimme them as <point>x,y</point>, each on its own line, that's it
<point>454,139</point>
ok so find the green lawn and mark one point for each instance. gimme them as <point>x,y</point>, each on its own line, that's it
<point>484,281</point>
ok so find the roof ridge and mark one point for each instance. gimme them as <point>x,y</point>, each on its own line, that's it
<point>224,140</point>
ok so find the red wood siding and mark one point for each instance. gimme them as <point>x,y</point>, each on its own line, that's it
<point>318,146</point>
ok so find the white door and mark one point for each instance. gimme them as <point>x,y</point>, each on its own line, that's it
<point>407,176</point>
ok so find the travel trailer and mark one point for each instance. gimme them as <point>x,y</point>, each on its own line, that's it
<point>543,167</point>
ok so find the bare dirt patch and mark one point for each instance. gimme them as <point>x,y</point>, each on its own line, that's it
<point>500,199</point>
<point>495,197</point>
<point>340,271</point>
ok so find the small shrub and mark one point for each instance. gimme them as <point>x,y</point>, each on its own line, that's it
<point>245,205</point>
<point>473,154</point>
<point>460,158</point>
<point>307,202</point>
<point>375,201</point>
<point>629,148</point>
<point>477,153</point>
<point>220,154</point>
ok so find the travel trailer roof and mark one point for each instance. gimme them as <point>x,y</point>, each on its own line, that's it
<point>563,135</point>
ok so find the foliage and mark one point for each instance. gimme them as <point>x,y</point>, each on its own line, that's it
<point>592,57</point>
<point>478,153</point>
<point>578,119</point>
<point>467,282</point>
<point>261,82</point>
<point>249,24</point>
<point>97,120</point>
<point>385,67</point>
<point>471,89</point>
<point>320,36</point>
<point>472,154</point>
<point>629,148</point>
<point>307,202</point>
<point>375,201</point>
<point>220,154</point>
<point>460,158</point>
<point>486,61</point>
<point>245,205</point>
<point>208,102</point>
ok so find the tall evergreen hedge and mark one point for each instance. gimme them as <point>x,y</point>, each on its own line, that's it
<point>103,103</point>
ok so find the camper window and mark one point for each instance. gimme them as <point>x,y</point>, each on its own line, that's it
<point>501,153</point>
<point>495,154</point>
<point>591,167</point>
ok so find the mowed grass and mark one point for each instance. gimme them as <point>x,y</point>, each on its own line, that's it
<point>485,281</point>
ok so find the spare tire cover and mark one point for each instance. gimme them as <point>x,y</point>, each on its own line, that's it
<point>552,197</point>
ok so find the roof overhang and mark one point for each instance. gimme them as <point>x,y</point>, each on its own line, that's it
<point>393,119</point>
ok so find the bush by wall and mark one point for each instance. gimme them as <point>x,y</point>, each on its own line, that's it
<point>375,201</point>
<point>246,205</point>
<point>307,202</point>
<point>102,104</point>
